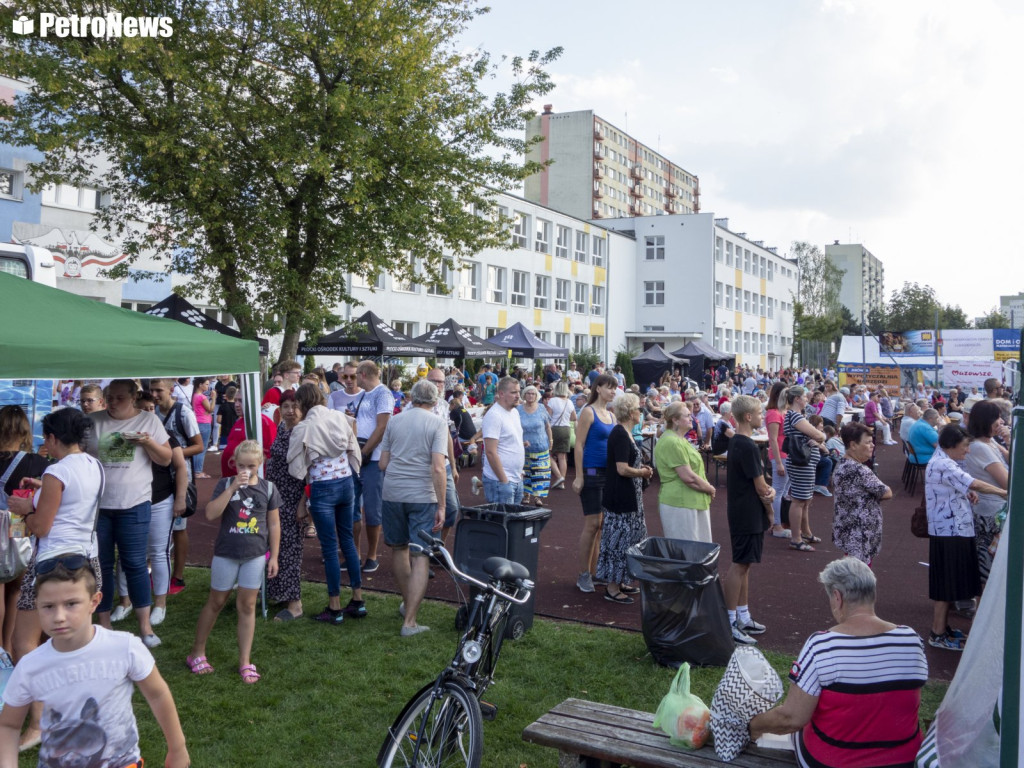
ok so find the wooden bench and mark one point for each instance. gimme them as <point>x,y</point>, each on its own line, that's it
<point>591,735</point>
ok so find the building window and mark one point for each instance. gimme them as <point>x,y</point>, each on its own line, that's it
<point>564,242</point>
<point>408,328</point>
<point>746,302</point>
<point>407,284</point>
<point>542,292</point>
<point>718,294</point>
<point>562,340</point>
<point>728,297</point>
<point>764,306</point>
<point>655,247</point>
<point>582,299</point>
<point>521,229</point>
<point>728,339</point>
<point>771,308</point>
<point>469,281</point>
<point>597,300</point>
<point>764,268</point>
<point>718,249</point>
<point>496,285</point>
<point>654,293</point>
<point>596,344</point>
<point>542,241</point>
<point>746,260</point>
<point>728,254</point>
<point>599,250</point>
<point>771,271</point>
<point>563,294</point>
<point>520,287</point>
<point>718,338</point>
<point>582,241</point>
<point>10,184</point>
<point>579,342</point>
<point>762,341</point>
<point>443,286</point>
<point>746,342</point>
<point>377,283</point>
<point>85,198</point>
<point>542,335</point>
<point>491,332</point>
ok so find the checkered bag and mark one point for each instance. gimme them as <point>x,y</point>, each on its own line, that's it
<point>749,687</point>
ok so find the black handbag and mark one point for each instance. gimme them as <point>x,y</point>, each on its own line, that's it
<point>191,500</point>
<point>798,449</point>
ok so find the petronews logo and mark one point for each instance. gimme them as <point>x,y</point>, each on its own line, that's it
<point>111,25</point>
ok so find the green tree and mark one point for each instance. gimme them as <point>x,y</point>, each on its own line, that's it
<point>913,307</point>
<point>851,325</point>
<point>274,150</point>
<point>817,312</point>
<point>994,319</point>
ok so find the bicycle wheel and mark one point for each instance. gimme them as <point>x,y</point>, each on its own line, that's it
<point>453,731</point>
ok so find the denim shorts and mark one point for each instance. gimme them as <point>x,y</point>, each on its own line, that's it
<point>403,520</point>
<point>592,493</point>
<point>369,486</point>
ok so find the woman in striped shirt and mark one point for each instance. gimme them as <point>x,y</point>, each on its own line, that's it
<point>856,687</point>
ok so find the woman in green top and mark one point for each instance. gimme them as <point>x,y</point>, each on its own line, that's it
<point>685,495</point>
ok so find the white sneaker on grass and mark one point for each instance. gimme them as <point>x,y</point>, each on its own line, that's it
<point>121,612</point>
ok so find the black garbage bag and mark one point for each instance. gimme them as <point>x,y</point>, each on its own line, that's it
<point>684,614</point>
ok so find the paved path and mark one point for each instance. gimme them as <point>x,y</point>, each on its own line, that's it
<point>784,593</point>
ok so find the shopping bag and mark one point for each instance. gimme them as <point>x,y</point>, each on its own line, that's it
<point>749,687</point>
<point>683,716</point>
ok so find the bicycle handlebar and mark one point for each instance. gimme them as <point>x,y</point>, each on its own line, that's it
<point>436,547</point>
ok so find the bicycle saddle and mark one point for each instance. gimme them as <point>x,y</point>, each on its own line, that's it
<point>504,570</point>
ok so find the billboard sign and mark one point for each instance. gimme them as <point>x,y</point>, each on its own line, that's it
<point>966,343</point>
<point>872,375</point>
<point>970,373</point>
<point>1006,343</point>
<point>908,343</point>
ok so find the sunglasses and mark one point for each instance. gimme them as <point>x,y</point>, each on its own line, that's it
<point>70,563</point>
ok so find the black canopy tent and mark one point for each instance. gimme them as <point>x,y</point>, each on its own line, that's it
<point>649,367</point>
<point>378,340</point>
<point>700,354</point>
<point>174,307</point>
<point>524,343</point>
<point>454,341</point>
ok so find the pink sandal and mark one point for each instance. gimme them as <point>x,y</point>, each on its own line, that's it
<point>249,674</point>
<point>198,665</point>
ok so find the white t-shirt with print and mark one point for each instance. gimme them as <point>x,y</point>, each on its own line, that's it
<point>75,523</point>
<point>129,471</point>
<point>87,698</point>
<point>377,401</point>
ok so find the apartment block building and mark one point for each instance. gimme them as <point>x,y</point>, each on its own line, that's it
<point>1013,308</point>
<point>697,279</point>
<point>863,285</point>
<point>598,171</point>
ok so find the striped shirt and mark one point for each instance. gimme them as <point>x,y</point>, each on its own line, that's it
<point>869,692</point>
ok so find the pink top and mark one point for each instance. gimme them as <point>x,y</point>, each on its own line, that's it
<point>202,415</point>
<point>774,416</point>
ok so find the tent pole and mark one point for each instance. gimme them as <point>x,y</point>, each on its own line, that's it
<point>251,407</point>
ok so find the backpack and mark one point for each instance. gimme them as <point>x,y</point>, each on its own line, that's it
<point>179,421</point>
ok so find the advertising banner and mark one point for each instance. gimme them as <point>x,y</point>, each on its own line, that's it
<point>908,343</point>
<point>970,373</point>
<point>887,376</point>
<point>966,343</point>
<point>1006,343</point>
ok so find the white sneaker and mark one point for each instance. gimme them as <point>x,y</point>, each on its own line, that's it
<point>121,612</point>
<point>156,616</point>
<point>741,637</point>
<point>477,484</point>
<point>150,641</point>
<point>401,609</point>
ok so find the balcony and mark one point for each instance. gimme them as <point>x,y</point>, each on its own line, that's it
<point>669,193</point>
<point>598,133</point>
<point>638,190</point>
<point>598,150</point>
<point>598,171</point>
<point>637,171</point>
<point>597,192</point>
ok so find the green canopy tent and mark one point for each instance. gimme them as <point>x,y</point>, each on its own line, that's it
<point>46,333</point>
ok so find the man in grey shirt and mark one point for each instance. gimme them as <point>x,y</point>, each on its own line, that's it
<point>412,457</point>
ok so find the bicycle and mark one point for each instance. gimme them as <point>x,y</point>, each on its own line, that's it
<point>442,725</point>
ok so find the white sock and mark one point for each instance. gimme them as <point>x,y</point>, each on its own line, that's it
<point>744,613</point>
<point>732,617</point>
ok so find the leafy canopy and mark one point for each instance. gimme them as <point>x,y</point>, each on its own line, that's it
<point>273,150</point>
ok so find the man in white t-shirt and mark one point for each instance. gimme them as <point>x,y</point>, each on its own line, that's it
<point>372,412</point>
<point>504,452</point>
<point>345,399</point>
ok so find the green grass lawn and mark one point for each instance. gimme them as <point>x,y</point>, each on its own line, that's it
<point>328,694</point>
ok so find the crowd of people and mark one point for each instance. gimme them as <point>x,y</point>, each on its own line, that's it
<point>349,458</point>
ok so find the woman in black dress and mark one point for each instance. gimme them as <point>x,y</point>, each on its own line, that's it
<point>623,501</point>
<point>286,587</point>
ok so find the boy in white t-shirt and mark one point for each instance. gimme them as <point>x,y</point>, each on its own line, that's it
<point>83,677</point>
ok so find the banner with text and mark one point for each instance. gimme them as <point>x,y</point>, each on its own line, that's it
<point>966,343</point>
<point>908,343</point>
<point>872,375</point>
<point>1006,343</point>
<point>970,373</point>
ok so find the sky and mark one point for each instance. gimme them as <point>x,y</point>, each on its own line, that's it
<point>891,124</point>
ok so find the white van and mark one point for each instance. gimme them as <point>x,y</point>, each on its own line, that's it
<point>28,261</point>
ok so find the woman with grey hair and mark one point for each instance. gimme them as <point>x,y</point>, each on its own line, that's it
<point>562,416</point>
<point>623,501</point>
<point>536,423</point>
<point>424,392</point>
<point>842,677</point>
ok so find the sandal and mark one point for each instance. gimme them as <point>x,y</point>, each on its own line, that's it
<point>285,615</point>
<point>249,674</point>
<point>812,539</point>
<point>618,597</point>
<point>311,531</point>
<point>198,665</point>
<point>629,589</point>
<point>803,546</point>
